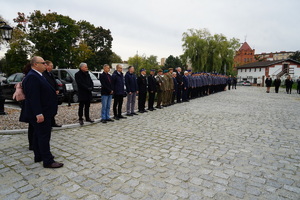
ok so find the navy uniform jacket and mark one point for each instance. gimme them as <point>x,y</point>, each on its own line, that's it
<point>142,84</point>
<point>40,96</point>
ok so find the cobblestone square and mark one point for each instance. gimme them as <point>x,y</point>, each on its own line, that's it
<point>237,144</point>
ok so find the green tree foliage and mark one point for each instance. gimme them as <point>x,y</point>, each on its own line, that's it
<point>206,52</point>
<point>172,62</point>
<point>66,42</point>
<point>115,58</point>
<point>295,56</point>
<point>137,62</point>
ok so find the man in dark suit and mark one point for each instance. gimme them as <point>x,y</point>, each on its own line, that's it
<point>179,84</point>
<point>51,80</point>
<point>142,85</point>
<point>151,89</point>
<point>85,86</point>
<point>39,108</point>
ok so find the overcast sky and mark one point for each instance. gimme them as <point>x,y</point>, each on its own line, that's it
<point>155,27</point>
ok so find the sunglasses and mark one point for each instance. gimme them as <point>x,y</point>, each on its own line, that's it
<point>44,63</point>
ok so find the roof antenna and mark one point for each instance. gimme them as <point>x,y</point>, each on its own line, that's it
<point>245,38</point>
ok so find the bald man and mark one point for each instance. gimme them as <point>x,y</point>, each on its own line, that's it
<point>39,108</point>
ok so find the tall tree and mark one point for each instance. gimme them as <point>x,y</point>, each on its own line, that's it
<point>172,62</point>
<point>295,56</point>
<point>206,52</point>
<point>115,58</point>
<point>137,62</point>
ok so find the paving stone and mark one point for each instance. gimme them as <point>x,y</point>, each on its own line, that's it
<point>254,155</point>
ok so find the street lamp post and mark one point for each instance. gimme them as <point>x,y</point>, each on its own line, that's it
<point>6,34</point>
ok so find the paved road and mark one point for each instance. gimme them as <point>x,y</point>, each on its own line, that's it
<point>241,144</point>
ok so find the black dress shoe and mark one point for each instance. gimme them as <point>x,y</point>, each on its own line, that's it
<point>54,165</point>
<point>151,109</point>
<point>116,118</point>
<point>141,111</point>
<point>56,125</point>
<point>89,120</point>
<point>122,117</point>
<point>130,115</point>
<point>109,120</point>
<point>103,121</point>
<point>134,113</point>
<point>81,122</point>
<point>37,160</point>
<point>145,111</point>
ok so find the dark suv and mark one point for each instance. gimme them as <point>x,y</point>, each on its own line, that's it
<point>8,87</point>
<point>67,76</point>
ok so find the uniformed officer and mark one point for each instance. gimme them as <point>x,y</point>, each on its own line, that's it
<point>160,88</point>
<point>171,86</point>
<point>166,88</point>
<point>142,85</point>
<point>151,89</point>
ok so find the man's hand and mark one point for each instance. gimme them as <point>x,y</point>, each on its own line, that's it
<point>40,118</point>
<point>57,92</point>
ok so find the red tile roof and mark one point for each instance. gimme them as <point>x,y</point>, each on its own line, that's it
<point>245,47</point>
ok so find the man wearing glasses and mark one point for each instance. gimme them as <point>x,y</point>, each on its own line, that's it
<point>40,107</point>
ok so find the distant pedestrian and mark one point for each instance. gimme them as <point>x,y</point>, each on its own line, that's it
<point>106,94</point>
<point>258,82</point>
<point>119,92</point>
<point>52,81</point>
<point>234,82</point>
<point>277,83</point>
<point>142,85</point>
<point>229,82</point>
<point>132,91</point>
<point>298,85</point>
<point>152,89</point>
<point>85,86</point>
<point>289,84</point>
<point>268,83</point>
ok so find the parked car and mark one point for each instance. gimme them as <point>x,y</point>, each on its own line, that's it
<point>67,77</point>
<point>244,83</point>
<point>8,87</point>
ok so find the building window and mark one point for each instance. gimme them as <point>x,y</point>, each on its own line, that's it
<point>260,69</point>
<point>245,60</point>
<point>254,69</point>
<point>245,70</point>
<point>241,70</point>
<point>250,59</point>
<point>249,70</point>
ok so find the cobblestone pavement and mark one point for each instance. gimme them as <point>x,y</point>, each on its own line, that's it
<point>238,144</point>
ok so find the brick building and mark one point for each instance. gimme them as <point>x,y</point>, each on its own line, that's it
<point>244,55</point>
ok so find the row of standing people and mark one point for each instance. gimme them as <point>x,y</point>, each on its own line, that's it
<point>277,83</point>
<point>166,85</point>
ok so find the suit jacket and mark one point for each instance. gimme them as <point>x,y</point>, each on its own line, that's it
<point>118,83</point>
<point>185,82</point>
<point>130,82</point>
<point>40,97</point>
<point>179,79</point>
<point>142,83</point>
<point>106,82</point>
<point>85,86</point>
<point>151,84</point>
<point>51,79</point>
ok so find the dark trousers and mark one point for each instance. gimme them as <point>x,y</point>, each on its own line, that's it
<point>179,94</point>
<point>151,100</point>
<point>30,135</point>
<point>53,121</point>
<point>159,99</point>
<point>117,106</point>
<point>173,96</point>
<point>288,89</point>
<point>184,94</point>
<point>234,86</point>
<point>41,141</point>
<point>276,88</point>
<point>86,106</point>
<point>298,89</point>
<point>142,101</point>
<point>229,86</point>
